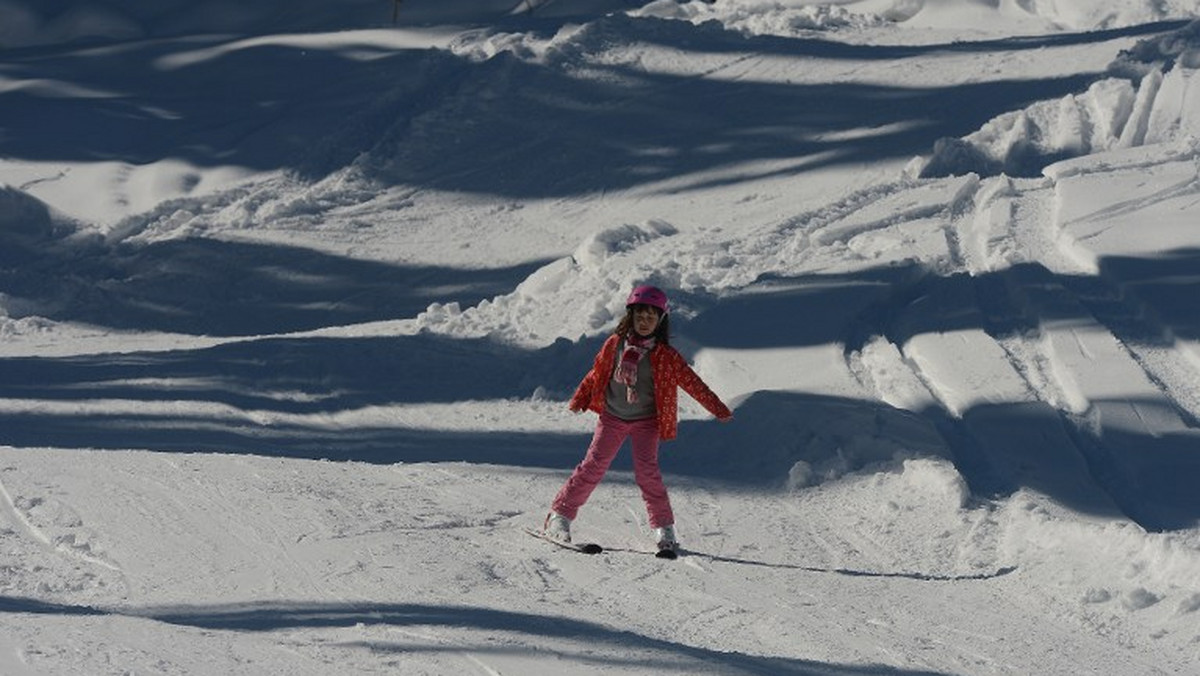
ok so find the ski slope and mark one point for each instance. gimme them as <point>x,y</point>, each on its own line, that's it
<point>292,300</point>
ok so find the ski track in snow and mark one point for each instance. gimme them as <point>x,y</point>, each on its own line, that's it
<point>66,544</point>
<point>1021,301</point>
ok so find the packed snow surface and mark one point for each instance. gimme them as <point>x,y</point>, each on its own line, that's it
<point>293,294</point>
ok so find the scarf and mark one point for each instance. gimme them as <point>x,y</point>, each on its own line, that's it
<point>636,348</point>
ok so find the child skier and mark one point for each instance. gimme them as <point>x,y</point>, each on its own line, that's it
<point>633,386</point>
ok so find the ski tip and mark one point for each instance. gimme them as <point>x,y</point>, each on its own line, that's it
<point>586,548</point>
<point>667,554</point>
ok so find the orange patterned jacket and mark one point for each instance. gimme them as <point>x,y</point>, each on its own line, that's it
<point>671,371</point>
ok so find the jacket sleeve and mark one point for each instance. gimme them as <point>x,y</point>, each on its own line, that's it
<point>584,393</point>
<point>696,388</point>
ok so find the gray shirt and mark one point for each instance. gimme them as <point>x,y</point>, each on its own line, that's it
<point>615,399</point>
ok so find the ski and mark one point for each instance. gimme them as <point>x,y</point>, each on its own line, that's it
<point>581,547</point>
<point>669,553</point>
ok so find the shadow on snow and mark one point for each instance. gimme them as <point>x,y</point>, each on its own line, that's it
<point>284,396</point>
<point>582,641</point>
<point>204,286</point>
<point>428,118</point>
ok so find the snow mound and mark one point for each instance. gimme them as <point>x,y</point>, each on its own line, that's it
<point>1158,105</point>
<point>1050,14</point>
<point>28,226</point>
<point>534,314</point>
<point>1155,567</point>
<point>935,477</point>
<point>26,326</point>
<point>1181,47</point>
<point>801,441</point>
<point>601,246</point>
<point>762,18</point>
<point>23,215</point>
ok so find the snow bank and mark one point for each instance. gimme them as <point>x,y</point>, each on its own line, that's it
<point>23,216</point>
<point>762,18</point>
<point>792,441</point>
<point>784,17</point>
<point>1050,14</point>
<point>1121,569</point>
<point>1181,47</point>
<point>602,267</point>
<point>1156,100</point>
<point>27,227</point>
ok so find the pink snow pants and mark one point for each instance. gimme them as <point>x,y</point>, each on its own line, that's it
<point>611,432</point>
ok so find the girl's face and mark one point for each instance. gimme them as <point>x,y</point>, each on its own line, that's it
<point>645,319</point>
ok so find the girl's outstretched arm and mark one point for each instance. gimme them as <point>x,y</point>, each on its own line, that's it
<point>697,389</point>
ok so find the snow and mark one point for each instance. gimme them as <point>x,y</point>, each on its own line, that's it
<point>292,297</point>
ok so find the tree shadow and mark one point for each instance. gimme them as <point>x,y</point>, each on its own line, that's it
<point>431,119</point>
<point>582,641</point>
<point>208,102</point>
<point>716,39</point>
<point>996,449</point>
<point>1147,299</point>
<point>298,376</point>
<point>807,310</point>
<point>630,128</point>
<point>1107,461</point>
<point>204,286</point>
<point>1159,293</point>
<point>282,397</point>
<point>1101,469</point>
<point>298,396</point>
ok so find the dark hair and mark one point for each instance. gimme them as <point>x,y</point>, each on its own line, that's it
<point>662,333</point>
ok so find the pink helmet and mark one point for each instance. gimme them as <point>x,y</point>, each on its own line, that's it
<point>648,295</point>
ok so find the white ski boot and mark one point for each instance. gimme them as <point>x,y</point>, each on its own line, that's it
<point>557,527</point>
<point>666,538</point>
